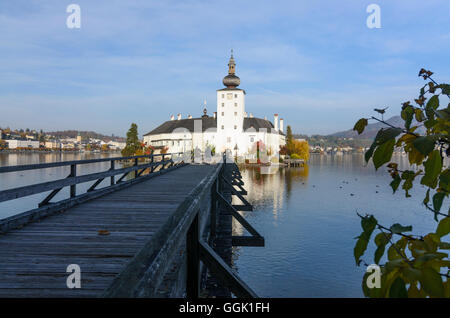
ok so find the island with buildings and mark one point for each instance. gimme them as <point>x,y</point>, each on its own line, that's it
<point>230,128</point>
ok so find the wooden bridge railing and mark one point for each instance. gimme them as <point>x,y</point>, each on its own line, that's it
<point>191,227</point>
<point>155,164</point>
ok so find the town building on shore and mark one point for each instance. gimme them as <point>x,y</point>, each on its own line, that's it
<point>230,128</point>
<point>15,143</point>
<point>53,144</point>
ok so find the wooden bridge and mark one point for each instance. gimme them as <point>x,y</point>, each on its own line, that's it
<point>157,231</point>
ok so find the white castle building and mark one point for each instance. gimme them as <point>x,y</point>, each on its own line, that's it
<point>229,129</point>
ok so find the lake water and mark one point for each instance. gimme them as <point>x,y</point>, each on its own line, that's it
<point>307,216</point>
<point>22,178</point>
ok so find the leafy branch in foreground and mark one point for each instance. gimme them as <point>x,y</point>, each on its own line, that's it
<point>417,266</point>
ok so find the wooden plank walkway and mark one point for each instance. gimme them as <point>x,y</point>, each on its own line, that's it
<point>33,259</point>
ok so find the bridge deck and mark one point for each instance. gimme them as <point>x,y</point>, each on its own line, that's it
<point>33,259</point>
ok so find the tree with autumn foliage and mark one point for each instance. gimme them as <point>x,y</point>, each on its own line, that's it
<point>298,149</point>
<point>417,264</point>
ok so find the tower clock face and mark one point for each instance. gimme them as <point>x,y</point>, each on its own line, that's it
<point>229,96</point>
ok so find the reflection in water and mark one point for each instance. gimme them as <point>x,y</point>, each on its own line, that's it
<point>22,178</point>
<point>295,175</point>
<point>308,218</point>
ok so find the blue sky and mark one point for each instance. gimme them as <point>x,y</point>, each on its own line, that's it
<point>314,62</point>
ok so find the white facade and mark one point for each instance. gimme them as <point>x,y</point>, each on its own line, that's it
<point>230,120</point>
<point>14,144</point>
<point>116,145</point>
<point>229,129</point>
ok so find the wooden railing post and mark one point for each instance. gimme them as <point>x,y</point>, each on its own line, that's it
<point>112,168</point>
<point>214,208</point>
<point>73,188</point>
<point>152,161</point>
<point>135,171</point>
<point>193,260</point>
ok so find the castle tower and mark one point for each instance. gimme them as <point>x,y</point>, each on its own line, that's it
<point>230,111</point>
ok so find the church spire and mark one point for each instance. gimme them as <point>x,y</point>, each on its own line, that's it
<point>231,64</point>
<point>231,80</point>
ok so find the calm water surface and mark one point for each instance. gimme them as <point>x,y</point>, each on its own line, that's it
<point>23,178</point>
<point>308,218</point>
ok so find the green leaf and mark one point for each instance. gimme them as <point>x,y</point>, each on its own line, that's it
<point>409,177</point>
<point>407,115</point>
<point>398,228</point>
<point>445,88</point>
<point>398,289</point>
<point>433,167</point>
<point>431,282</point>
<point>387,134</point>
<point>425,144</point>
<point>381,241</point>
<point>360,248</point>
<point>430,123</point>
<point>360,125</point>
<point>443,227</point>
<point>411,274</point>
<point>395,183</point>
<point>444,245</point>
<point>444,180</point>
<point>437,202</point>
<point>383,153</point>
<point>368,224</point>
<point>433,102</point>
<point>427,197</point>
<point>369,152</point>
<point>430,256</point>
<point>443,113</point>
<point>393,254</point>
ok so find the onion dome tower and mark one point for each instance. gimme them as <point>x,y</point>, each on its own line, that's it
<point>231,80</point>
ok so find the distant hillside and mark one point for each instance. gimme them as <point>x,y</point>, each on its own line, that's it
<point>371,129</point>
<point>351,138</point>
<point>84,134</point>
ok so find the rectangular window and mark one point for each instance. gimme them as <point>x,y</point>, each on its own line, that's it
<point>252,139</point>
<point>223,104</point>
<point>235,104</point>
<point>223,95</point>
<point>235,95</point>
<point>223,127</point>
<point>235,127</point>
<point>229,96</point>
<point>228,139</point>
<point>235,113</point>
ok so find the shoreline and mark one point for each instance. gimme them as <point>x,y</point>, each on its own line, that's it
<point>48,151</point>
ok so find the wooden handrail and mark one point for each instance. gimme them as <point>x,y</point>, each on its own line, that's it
<point>24,191</point>
<point>76,162</point>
